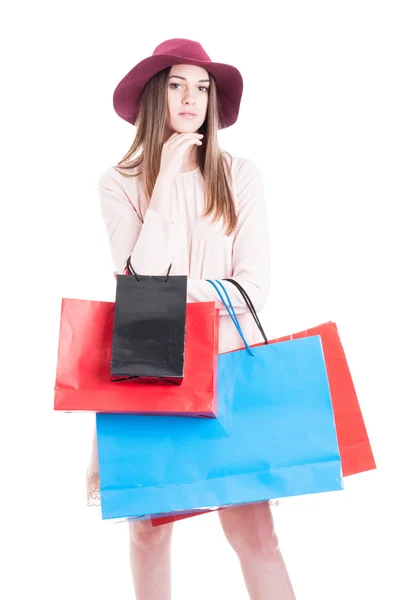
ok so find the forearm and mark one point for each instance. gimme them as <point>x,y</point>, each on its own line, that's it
<point>161,196</point>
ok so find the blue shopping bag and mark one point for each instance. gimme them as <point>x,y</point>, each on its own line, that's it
<point>282,439</point>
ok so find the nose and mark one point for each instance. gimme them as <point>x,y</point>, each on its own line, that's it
<point>189,98</point>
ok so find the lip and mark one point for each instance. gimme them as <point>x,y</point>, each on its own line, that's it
<point>187,114</point>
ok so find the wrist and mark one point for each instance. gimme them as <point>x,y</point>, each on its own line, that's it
<point>164,179</point>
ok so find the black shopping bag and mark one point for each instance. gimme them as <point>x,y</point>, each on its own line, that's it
<point>148,340</point>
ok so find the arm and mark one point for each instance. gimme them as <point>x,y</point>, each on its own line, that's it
<point>149,242</point>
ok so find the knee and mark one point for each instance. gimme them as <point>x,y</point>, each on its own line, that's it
<point>251,536</point>
<point>144,535</point>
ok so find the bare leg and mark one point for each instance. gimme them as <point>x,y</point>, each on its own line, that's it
<point>150,547</point>
<point>250,531</point>
<point>150,559</point>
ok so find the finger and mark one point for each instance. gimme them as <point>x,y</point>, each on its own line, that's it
<point>188,133</point>
<point>186,144</point>
<point>188,137</point>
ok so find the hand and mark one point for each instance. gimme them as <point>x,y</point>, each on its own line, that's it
<point>173,153</point>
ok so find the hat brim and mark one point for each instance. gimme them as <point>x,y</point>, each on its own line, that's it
<point>126,97</point>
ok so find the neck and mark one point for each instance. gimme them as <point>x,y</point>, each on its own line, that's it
<point>191,158</point>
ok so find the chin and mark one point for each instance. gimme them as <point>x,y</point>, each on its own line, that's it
<point>185,127</point>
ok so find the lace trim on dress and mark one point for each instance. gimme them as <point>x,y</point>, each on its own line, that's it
<point>93,489</point>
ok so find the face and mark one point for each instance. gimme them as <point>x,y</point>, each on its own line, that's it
<point>187,92</point>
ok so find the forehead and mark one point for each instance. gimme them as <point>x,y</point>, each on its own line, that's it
<point>192,72</point>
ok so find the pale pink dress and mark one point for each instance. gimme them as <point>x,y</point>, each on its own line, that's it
<point>193,245</point>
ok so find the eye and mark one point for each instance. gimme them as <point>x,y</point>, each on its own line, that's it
<point>201,87</point>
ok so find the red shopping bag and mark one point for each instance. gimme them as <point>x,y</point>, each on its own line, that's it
<point>84,357</point>
<point>354,446</point>
<point>355,449</point>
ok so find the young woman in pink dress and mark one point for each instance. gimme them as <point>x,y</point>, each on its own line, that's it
<point>177,198</point>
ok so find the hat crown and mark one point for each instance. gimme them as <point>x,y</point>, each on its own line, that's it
<point>182,48</point>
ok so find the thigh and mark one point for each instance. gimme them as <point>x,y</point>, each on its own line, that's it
<point>93,461</point>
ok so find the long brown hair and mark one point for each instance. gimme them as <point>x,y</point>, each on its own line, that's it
<point>146,149</point>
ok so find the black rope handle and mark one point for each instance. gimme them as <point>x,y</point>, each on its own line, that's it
<point>130,269</point>
<point>250,306</point>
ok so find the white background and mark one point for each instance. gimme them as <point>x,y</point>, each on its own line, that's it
<point>319,116</point>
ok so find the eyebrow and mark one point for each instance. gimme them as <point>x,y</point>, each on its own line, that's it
<point>184,78</point>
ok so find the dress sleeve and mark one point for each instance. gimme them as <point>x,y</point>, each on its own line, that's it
<point>148,241</point>
<point>251,248</point>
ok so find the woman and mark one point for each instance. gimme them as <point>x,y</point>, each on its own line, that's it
<point>176,198</point>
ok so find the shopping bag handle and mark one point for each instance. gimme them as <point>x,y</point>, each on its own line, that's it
<point>250,306</point>
<point>130,270</point>
<point>231,311</point>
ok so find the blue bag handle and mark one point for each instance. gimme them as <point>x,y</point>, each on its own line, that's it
<point>231,311</point>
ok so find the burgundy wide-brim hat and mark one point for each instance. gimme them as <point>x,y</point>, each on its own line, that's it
<point>229,82</point>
